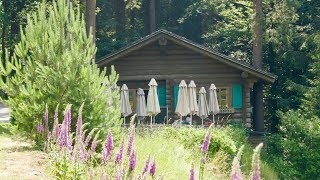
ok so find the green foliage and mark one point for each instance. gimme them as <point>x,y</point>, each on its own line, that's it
<point>295,150</point>
<point>52,64</point>
<point>192,139</point>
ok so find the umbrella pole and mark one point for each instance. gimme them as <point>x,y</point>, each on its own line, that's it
<point>213,119</point>
<point>191,119</point>
<point>124,121</point>
<point>150,120</point>
<point>202,121</point>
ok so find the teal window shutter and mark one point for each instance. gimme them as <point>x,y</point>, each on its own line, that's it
<point>162,95</point>
<point>237,96</point>
<point>175,95</point>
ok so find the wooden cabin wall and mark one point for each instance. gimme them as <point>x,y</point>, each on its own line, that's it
<point>173,63</point>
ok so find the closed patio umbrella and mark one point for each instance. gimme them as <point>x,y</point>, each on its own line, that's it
<point>153,106</point>
<point>194,109</point>
<point>124,103</point>
<point>183,108</point>
<point>141,107</point>
<point>213,101</point>
<point>203,105</point>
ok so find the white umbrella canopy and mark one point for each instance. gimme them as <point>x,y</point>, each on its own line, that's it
<point>213,101</point>
<point>194,109</point>
<point>193,105</point>
<point>125,107</point>
<point>182,108</point>
<point>153,106</point>
<point>203,105</point>
<point>141,107</point>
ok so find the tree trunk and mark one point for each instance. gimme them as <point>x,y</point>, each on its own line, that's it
<point>120,16</point>
<point>90,9</point>
<point>152,15</point>
<point>258,115</point>
<point>258,34</point>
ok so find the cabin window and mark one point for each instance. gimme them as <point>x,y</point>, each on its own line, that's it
<point>224,97</point>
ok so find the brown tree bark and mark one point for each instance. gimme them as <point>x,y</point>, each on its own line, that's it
<point>258,114</point>
<point>90,15</point>
<point>120,16</point>
<point>152,16</point>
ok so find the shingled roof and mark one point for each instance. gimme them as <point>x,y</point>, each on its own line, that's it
<point>241,65</point>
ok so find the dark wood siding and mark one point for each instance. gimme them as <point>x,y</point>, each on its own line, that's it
<point>174,62</point>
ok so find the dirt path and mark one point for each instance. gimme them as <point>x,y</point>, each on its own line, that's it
<point>18,160</point>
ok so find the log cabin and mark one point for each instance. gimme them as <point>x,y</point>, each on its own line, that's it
<point>170,58</point>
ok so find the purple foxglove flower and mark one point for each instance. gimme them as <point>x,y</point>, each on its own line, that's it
<point>256,174</point>
<point>67,118</point>
<point>95,142</point>
<point>236,170</point>
<point>40,128</point>
<point>46,119</point>
<point>119,173</point>
<point>64,140</point>
<point>79,126</point>
<point>256,162</point>
<point>153,168</point>
<point>108,148</point>
<point>89,137</point>
<point>133,160</point>
<point>119,154</point>
<point>206,142</point>
<point>192,177</point>
<point>56,127</point>
<point>109,143</point>
<point>146,167</point>
<point>48,140</point>
<point>130,143</point>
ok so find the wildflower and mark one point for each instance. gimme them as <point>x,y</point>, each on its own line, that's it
<point>56,127</point>
<point>192,177</point>
<point>206,142</point>
<point>108,148</point>
<point>46,119</point>
<point>109,143</point>
<point>48,140</point>
<point>133,160</point>
<point>256,162</point>
<point>146,167</point>
<point>130,143</point>
<point>153,168</point>
<point>64,140</point>
<point>79,124</point>
<point>119,173</point>
<point>95,142</point>
<point>67,118</point>
<point>119,154</point>
<point>40,128</point>
<point>236,171</point>
<point>88,139</point>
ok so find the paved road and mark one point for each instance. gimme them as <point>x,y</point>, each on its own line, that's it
<point>4,113</point>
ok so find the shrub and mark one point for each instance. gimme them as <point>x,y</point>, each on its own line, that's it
<point>192,139</point>
<point>53,64</point>
<point>295,150</point>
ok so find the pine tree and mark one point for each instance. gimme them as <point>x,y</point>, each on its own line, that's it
<point>52,64</point>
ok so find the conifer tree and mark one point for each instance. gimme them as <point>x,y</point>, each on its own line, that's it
<point>52,64</point>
